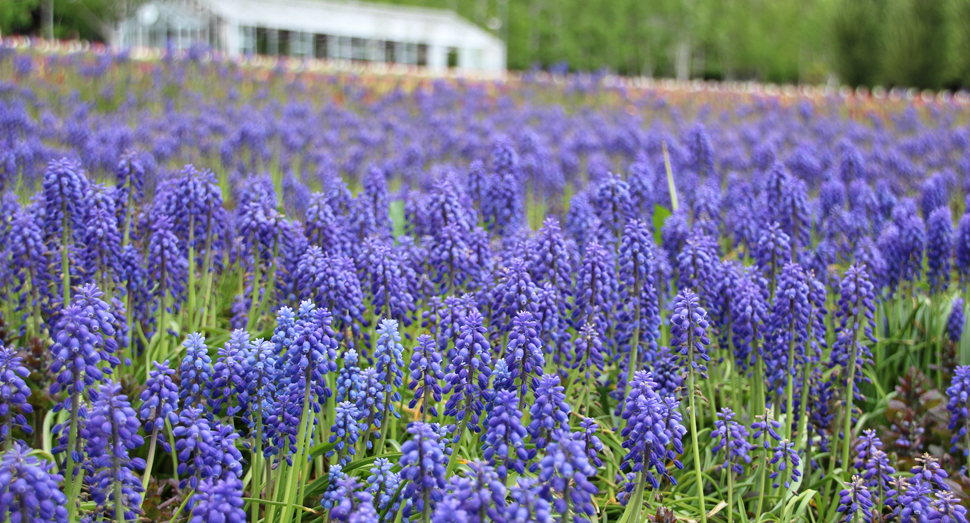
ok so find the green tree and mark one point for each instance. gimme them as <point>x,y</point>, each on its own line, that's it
<point>917,43</point>
<point>858,41</point>
<point>16,16</point>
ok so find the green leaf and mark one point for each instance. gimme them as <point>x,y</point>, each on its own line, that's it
<point>321,449</point>
<point>397,217</point>
<point>321,483</point>
<point>660,215</point>
<point>281,504</point>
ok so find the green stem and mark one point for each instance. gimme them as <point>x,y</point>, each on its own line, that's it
<point>171,447</point>
<point>730,507</point>
<point>759,402</point>
<point>116,472</point>
<point>185,501</point>
<point>849,397</point>
<point>71,479</point>
<point>254,298</point>
<point>299,464</point>
<point>257,464</point>
<point>790,403</point>
<point>693,433</point>
<point>191,309</point>
<point>387,419</point>
<point>65,259</point>
<point>803,413</point>
<point>151,459</point>
<point>453,460</point>
<point>763,466</point>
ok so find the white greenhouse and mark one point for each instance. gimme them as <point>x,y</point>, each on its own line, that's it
<point>438,39</point>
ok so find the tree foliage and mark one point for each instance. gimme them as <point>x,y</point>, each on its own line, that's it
<point>922,43</point>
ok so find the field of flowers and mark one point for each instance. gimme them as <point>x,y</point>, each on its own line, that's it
<point>233,293</point>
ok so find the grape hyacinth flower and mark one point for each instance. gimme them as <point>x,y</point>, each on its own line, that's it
<point>641,325</point>
<point>168,276</point>
<point>553,321</point>
<point>530,503</point>
<point>793,213</point>
<point>789,325</point>
<point>30,270</point>
<point>370,403</point>
<point>423,464</point>
<point>383,484</point>
<point>874,465</point>
<point>912,498</point>
<point>514,293</point>
<point>566,469</point>
<point>64,188</point>
<point>946,508</point>
<point>596,291</point>
<point>386,283</point>
<point>688,331</point>
<point>348,380</point>
<point>332,283</point>
<point>220,500</point>
<point>504,438</point>
<point>749,321</point>
<point>159,403</point>
<point>449,510</point>
<point>101,240</point>
<point>353,502</point>
<point>939,248</point>
<point>345,432</point>
<point>324,229</point>
<point>961,250</point>
<point>764,429</point>
<point>130,188</point>
<point>786,462</point>
<point>549,412</point>
<point>613,205</point>
<point>82,343</point>
<point>954,324</point>
<point>959,407</point>
<point>855,501</point>
<point>652,436</point>
<point>697,265</point>
<point>911,242</point>
<point>308,352</point>
<point>29,488</point>
<point>451,259</point>
<point>928,469</point>
<point>13,396</point>
<point>261,386</point>
<point>772,252</point>
<point>591,442</point>
<point>524,355</point>
<point>390,368</point>
<point>732,437</point>
<point>335,487</point>
<point>588,359</point>
<point>551,261</point>
<point>195,373</point>
<point>110,433</point>
<point>856,317</point>
<point>228,381</point>
<point>480,494</point>
<point>205,450</point>
<point>468,374</point>
<point>426,375</point>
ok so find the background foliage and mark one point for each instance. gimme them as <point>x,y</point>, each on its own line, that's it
<point>922,43</point>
